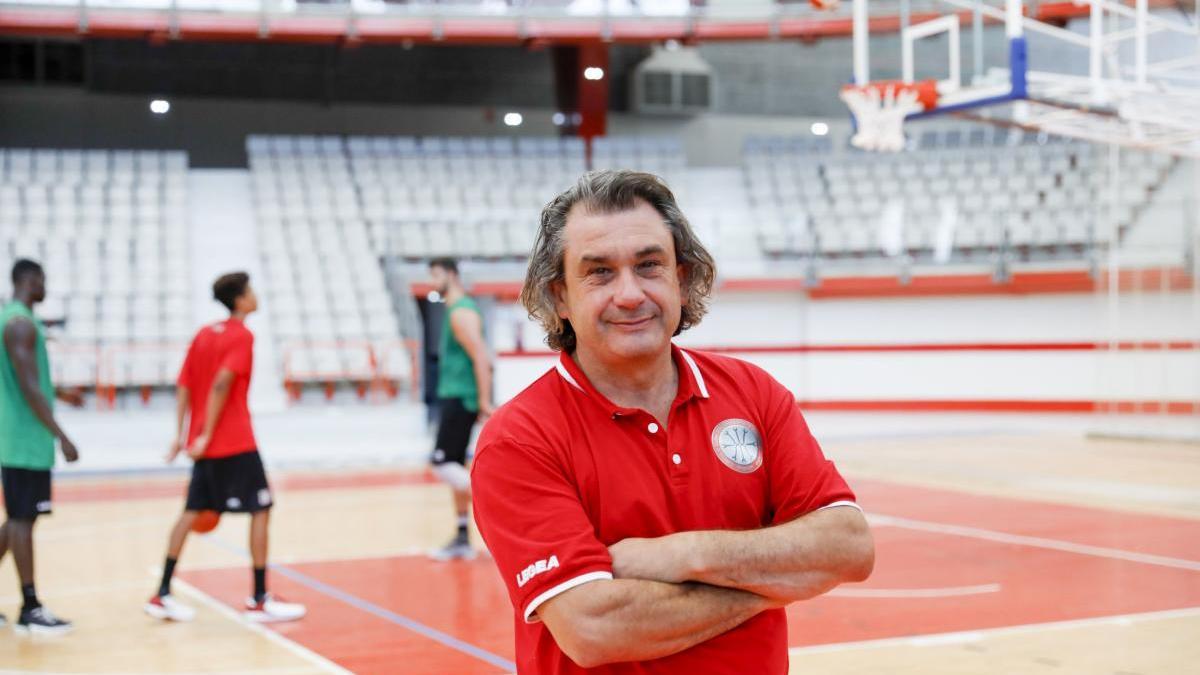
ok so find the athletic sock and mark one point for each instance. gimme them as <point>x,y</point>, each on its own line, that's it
<point>31,600</point>
<point>260,583</point>
<point>168,571</point>
<point>462,527</point>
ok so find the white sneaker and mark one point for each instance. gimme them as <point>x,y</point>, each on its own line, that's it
<point>271,610</point>
<point>41,621</point>
<point>167,608</point>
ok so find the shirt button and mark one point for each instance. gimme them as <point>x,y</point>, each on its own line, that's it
<point>676,458</point>
<point>653,428</point>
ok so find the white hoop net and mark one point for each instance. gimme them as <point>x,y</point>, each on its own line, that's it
<point>879,115</point>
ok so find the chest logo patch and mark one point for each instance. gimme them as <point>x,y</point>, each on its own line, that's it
<point>738,445</point>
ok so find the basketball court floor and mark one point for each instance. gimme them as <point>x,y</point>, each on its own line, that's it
<point>1005,544</point>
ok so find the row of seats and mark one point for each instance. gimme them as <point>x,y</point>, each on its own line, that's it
<point>50,159</point>
<point>87,366</point>
<point>658,155</point>
<point>482,237</point>
<point>300,147</point>
<point>24,167</point>
<point>794,238</point>
<point>400,201</point>
<point>354,360</point>
<point>1026,195</point>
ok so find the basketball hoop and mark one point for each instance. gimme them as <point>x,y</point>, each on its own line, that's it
<point>880,108</point>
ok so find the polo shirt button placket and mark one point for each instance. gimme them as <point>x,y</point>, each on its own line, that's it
<point>674,459</point>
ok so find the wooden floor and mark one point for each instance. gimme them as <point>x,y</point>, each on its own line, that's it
<point>996,554</point>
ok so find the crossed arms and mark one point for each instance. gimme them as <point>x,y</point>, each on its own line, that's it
<point>674,592</point>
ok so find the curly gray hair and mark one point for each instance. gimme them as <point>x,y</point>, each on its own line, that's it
<point>611,192</point>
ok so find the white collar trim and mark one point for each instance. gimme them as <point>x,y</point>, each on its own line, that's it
<point>566,375</point>
<point>695,371</point>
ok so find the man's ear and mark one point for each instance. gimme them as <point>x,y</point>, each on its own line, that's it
<point>558,291</point>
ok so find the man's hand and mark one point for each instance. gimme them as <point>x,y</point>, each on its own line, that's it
<point>662,559</point>
<point>72,397</point>
<point>199,446</point>
<point>486,409</point>
<point>70,453</point>
<point>176,448</point>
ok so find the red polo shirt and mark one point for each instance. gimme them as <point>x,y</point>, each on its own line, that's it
<point>561,473</point>
<point>226,345</point>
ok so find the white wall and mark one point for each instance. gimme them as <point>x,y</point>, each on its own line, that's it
<point>757,319</point>
<point>224,239</point>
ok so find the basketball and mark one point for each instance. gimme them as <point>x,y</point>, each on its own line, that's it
<point>206,521</point>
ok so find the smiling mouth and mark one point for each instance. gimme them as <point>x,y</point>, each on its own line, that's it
<point>638,323</point>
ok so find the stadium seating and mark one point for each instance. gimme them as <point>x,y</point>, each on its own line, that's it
<point>1003,192</point>
<point>110,228</point>
<point>325,287</point>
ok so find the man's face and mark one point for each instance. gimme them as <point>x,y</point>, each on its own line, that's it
<point>622,287</point>
<point>440,278</point>
<point>35,282</point>
<point>247,302</point>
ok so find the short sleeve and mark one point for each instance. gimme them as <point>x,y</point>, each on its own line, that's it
<point>535,527</point>
<point>240,357</point>
<point>801,479</point>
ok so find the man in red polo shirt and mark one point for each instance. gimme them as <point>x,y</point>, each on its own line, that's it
<point>228,474</point>
<point>651,509</point>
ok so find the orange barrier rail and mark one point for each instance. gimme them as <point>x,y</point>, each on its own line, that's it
<point>62,354</point>
<point>372,378</point>
<point>111,367</point>
<point>115,358</point>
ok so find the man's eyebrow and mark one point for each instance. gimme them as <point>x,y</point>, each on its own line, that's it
<point>653,249</point>
<point>650,250</point>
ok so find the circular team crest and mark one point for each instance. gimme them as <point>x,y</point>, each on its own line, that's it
<point>738,445</point>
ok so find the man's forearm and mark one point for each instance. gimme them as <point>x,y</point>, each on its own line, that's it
<point>182,399</point>
<point>794,561</point>
<point>483,378</point>
<point>637,620</point>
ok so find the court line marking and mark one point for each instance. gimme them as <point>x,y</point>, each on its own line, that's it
<point>258,629</point>
<point>360,604</point>
<point>947,592</point>
<point>406,552</point>
<point>415,626</point>
<point>879,520</point>
<point>968,636</point>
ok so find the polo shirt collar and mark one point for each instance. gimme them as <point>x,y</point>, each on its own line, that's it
<point>691,381</point>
